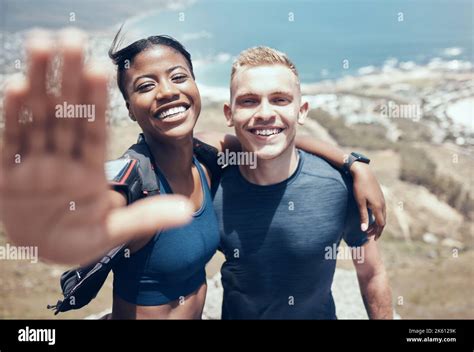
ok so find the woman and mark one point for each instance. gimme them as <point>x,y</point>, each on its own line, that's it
<point>164,277</point>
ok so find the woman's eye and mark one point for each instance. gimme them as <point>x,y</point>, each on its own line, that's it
<point>179,78</point>
<point>145,87</point>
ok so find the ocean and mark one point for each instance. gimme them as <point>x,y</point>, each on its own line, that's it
<point>327,39</point>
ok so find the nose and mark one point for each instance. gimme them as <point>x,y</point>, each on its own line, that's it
<point>265,111</point>
<point>167,91</point>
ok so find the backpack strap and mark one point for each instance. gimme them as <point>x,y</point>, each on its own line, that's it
<point>208,155</point>
<point>133,174</point>
<point>81,285</point>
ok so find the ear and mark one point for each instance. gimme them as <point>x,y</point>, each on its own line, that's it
<point>304,108</point>
<point>228,115</point>
<point>127,104</point>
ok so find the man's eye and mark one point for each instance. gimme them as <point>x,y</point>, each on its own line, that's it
<point>247,102</point>
<point>280,100</point>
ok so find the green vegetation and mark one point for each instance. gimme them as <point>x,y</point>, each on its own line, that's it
<point>413,132</point>
<point>416,166</point>
<point>362,135</point>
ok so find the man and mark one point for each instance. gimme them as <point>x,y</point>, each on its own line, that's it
<point>281,221</point>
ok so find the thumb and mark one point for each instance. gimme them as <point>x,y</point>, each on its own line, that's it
<point>147,216</point>
<point>364,216</point>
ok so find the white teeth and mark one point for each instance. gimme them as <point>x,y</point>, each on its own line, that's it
<point>267,132</point>
<point>171,111</point>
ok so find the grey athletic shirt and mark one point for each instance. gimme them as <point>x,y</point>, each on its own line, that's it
<point>278,241</point>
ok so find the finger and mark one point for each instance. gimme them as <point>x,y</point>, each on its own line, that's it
<point>71,44</point>
<point>379,217</point>
<point>364,215</point>
<point>371,229</point>
<point>93,143</point>
<point>70,107</point>
<point>15,96</point>
<point>373,232</point>
<point>384,214</point>
<point>147,217</point>
<point>378,221</point>
<point>377,232</point>
<point>40,52</point>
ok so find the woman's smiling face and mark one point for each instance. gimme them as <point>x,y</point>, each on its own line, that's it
<point>162,94</point>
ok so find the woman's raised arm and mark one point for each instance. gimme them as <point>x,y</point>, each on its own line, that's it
<point>53,190</point>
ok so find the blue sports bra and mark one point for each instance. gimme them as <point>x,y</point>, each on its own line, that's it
<point>172,264</point>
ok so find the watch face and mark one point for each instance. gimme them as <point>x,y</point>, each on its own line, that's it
<point>361,157</point>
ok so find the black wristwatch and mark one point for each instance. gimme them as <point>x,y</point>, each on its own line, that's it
<point>346,168</point>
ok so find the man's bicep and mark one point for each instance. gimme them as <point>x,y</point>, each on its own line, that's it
<point>369,263</point>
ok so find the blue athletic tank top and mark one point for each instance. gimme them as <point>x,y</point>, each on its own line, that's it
<point>172,264</point>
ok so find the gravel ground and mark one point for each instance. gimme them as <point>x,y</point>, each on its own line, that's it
<point>345,291</point>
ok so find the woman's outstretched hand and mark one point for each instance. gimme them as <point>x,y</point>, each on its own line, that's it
<point>53,190</point>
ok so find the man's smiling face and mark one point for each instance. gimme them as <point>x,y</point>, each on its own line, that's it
<point>265,107</point>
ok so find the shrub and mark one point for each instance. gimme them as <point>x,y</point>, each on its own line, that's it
<point>363,135</point>
<point>416,167</point>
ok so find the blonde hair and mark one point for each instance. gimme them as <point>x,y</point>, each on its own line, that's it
<point>260,56</point>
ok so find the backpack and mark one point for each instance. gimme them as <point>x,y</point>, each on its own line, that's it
<point>134,175</point>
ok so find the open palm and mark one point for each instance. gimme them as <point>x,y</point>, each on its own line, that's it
<point>53,191</point>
